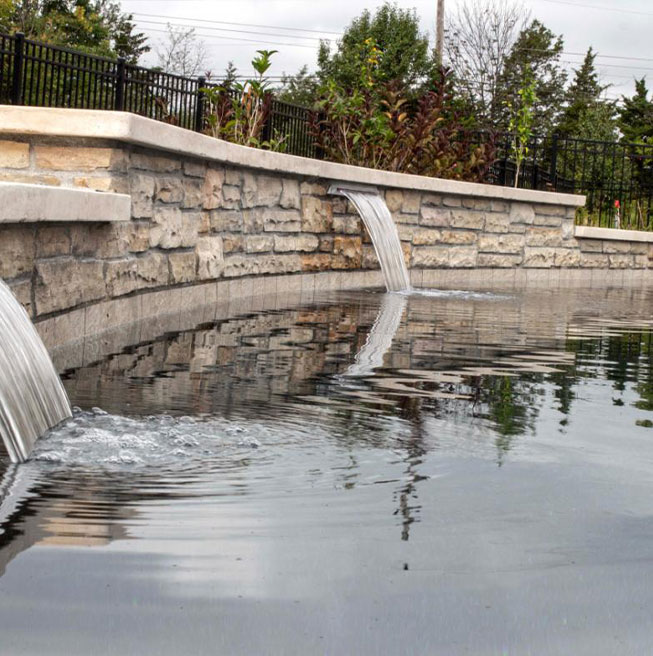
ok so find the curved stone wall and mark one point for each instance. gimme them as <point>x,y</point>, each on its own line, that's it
<point>215,220</point>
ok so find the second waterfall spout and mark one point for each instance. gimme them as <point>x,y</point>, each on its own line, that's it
<point>383,232</point>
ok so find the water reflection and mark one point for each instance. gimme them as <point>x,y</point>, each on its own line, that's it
<point>344,417</point>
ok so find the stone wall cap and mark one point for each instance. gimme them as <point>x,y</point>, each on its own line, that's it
<point>613,234</point>
<point>141,131</point>
<point>28,203</point>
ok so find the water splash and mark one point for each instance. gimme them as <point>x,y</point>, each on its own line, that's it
<point>383,232</point>
<point>32,398</point>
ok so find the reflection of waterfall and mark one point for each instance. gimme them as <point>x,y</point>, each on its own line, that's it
<point>32,398</point>
<point>383,232</point>
<point>380,337</point>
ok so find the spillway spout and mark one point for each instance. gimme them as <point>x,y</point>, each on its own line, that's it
<point>382,230</point>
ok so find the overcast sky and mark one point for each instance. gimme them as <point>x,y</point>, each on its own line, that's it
<point>620,30</point>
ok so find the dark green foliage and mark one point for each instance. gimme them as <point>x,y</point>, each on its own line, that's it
<point>299,89</point>
<point>536,54</point>
<point>636,115</point>
<point>405,51</point>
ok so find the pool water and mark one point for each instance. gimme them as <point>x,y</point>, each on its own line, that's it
<point>364,473</point>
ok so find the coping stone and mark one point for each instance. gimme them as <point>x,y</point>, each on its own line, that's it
<point>612,234</point>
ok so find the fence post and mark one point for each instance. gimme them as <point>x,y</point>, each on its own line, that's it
<point>119,98</point>
<point>199,107</point>
<point>266,132</point>
<point>553,173</point>
<point>19,59</point>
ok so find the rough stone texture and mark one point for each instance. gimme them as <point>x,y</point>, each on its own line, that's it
<point>193,221</point>
<point>14,154</point>
<point>64,283</point>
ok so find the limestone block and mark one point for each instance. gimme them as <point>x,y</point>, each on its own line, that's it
<point>610,246</point>
<point>280,220</point>
<point>142,193</point>
<point>394,199</point>
<point>22,290</point>
<point>305,243</point>
<point>458,237</point>
<point>233,177</point>
<point>452,201</point>
<point>498,260</point>
<point>409,219</point>
<point>411,203</point>
<point>317,215</point>
<point>233,243</point>
<point>14,154</point>
<point>539,257</point>
<point>173,228</point>
<point>249,192</point>
<point>115,184</point>
<point>594,260</point>
<point>521,213</point>
<point>640,261</point>
<point>290,197</point>
<point>312,189</point>
<point>52,241</point>
<point>591,245</point>
<point>620,261</point>
<point>138,236</point>
<point>64,283</point>
<point>155,163</point>
<point>347,224</point>
<point>550,210</point>
<point>205,222</point>
<point>431,256</point>
<point>29,178</point>
<point>231,197</point>
<point>269,190</point>
<point>462,257</point>
<point>212,189</point>
<point>546,220</point>
<point>426,236</point>
<point>128,274</point>
<point>79,158</point>
<point>194,168</point>
<point>481,204</point>
<point>259,243</point>
<point>370,260</point>
<point>210,258</point>
<point>500,243</point>
<point>567,258</point>
<point>436,217</point>
<point>192,193</point>
<point>183,265</point>
<point>537,236</point>
<point>168,190</point>
<point>499,206</point>
<point>226,220</point>
<point>17,250</point>
<point>638,247</point>
<point>350,248</point>
<point>567,230</point>
<point>316,262</point>
<point>339,205</point>
<point>496,222</point>
<point>650,252</point>
<point>468,219</point>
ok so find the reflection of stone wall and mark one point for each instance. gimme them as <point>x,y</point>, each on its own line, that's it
<point>196,219</point>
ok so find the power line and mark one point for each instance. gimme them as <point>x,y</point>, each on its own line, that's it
<point>217,22</point>
<point>584,6</point>
<point>233,40</point>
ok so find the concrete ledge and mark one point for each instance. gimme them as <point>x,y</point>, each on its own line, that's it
<point>588,232</point>
<point>28,203</point>
<point>137,130</point>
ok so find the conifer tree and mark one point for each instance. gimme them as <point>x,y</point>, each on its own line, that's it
<point>636,115</point>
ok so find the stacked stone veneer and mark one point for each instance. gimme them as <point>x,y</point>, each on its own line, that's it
<point>194,221</point>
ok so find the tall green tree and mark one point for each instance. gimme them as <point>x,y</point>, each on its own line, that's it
<point>587,114</point>
<point>405,53</point>
<point>534,58</point>
<point>636,115</point>
<point>300,88</point>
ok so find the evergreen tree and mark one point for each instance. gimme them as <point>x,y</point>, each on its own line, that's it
<point>535,54</point>
<point>586,114</point>
<point>636,115</point>
<point>405,54</point>
<point>300,89</point>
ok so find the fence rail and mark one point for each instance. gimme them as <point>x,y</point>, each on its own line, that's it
<point>33,73</point>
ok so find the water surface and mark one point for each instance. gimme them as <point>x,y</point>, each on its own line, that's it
<point>363,473</point>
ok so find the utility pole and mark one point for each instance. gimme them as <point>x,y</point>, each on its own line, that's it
<point>439,31</point>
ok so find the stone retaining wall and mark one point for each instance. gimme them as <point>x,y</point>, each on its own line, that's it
<point>240,213</point>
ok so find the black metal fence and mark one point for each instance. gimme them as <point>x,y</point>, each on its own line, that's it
<point>609,174</point>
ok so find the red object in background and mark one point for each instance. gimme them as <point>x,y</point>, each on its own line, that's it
<point>617,204</point>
